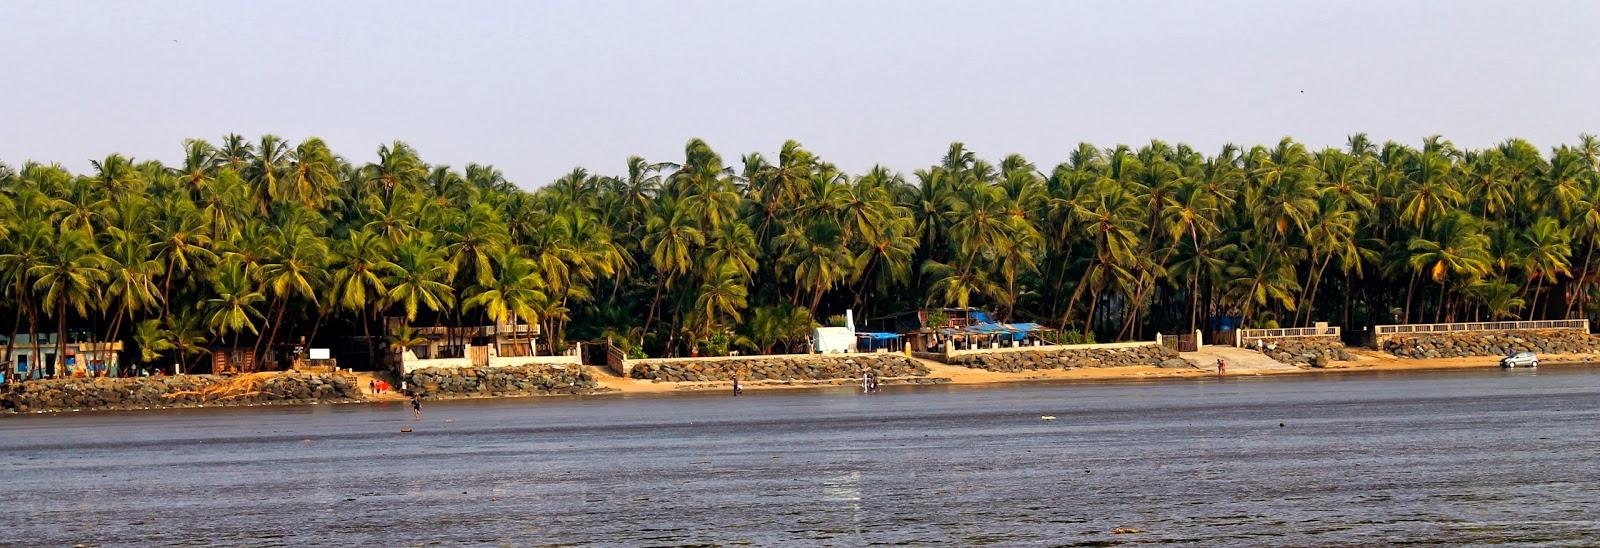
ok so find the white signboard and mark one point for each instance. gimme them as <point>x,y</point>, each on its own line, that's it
<point>321,354</point>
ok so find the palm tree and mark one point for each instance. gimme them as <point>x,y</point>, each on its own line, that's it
<point>722,296</point>
<point>670,242</point>
<point>1457,249</point>
<point>1546,253</point>
<point>131,273</point>
<point>817,258</point>
<point>68,276</point>
<point>234,309</point>
<point>311,176</point>
<point>510,295</point>
<point>181,243</point>
<point>359,266</point>
<point>420,279</point>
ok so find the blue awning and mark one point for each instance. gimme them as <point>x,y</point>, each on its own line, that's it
<point>992,329</point>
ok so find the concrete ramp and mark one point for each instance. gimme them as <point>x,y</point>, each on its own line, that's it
<point>1239,359</point>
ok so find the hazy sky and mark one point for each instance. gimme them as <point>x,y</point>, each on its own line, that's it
<point>538,88</point>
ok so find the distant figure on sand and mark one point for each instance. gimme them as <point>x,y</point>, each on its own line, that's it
<point>403,389</point>
<point>1222,366</point>
<point>736,388</point>
<point>416,407</point>
<point>372,386</point>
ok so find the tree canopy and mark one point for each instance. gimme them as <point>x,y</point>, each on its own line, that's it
<point>266,241</point>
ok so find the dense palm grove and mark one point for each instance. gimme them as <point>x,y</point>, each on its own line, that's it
<point>257,244</point>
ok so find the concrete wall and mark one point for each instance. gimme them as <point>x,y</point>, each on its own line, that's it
<point>776,367</point>
<point>412,363</point>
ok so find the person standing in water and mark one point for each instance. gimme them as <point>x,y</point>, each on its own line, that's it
<point>416,406</point>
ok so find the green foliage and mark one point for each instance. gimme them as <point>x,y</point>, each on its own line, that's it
<point>258,243</point>
<point>716,345</point>
<point>1067,337</point>
<point>938,319</point>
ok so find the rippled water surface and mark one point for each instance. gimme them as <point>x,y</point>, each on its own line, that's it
<point>1460,457</point>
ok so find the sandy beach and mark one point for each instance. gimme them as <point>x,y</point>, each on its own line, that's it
<point>1366,360</point>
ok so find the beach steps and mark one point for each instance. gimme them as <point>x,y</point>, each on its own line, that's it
<point>1240,360</point>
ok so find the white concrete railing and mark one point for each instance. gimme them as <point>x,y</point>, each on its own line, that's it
<point>1021,348</point>
<point>412,364</point>
<point>1399,329</point>
<point>1328,331</point>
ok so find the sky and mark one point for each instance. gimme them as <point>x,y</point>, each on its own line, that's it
<point>537,88</point>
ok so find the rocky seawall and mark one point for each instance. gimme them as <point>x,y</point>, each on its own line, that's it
<point>1309,351</point>
<point>176,391</point>
<point>1011,361</point>
<point>778,368</point>
<point>1490,343</point>
<point>525,380</point>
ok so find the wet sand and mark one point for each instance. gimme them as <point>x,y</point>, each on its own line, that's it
<point>1366,360</point>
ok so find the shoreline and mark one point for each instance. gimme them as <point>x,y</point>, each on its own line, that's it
<point>610,384</point>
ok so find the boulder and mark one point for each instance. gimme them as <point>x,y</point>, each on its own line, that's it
<point>1490,343</point>
<point>776,368</point>
<point>1175,363</point>
<point>1027,359</point>
<point>175,391</point>
<point>1309,351</point>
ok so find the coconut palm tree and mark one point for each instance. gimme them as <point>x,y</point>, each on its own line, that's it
<point>510,296</point>
<point>236,307</point>
<point>69,275</point>
<point>1456,250</point>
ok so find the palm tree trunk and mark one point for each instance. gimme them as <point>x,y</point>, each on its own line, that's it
<point>313,338</point>
<point>272,334</point>
<point>166,289</point>
<point>1410,288</point>
<point>1582,301</point>
<point>816,299</point>
<point>1094,301</point>
<point>1076,292</point>
<point>1533,306</point>
<point>35,368</point>
<point>650,318</point>
<point>1194,301</point>
<point>61,339</point>
<point>366,332</point>
<point>1316,284</point>
<point>11,345</point>
<point>1438,313</point>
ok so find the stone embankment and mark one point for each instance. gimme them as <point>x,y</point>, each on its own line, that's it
<point>526,380</point>
<point>1309,351</point>
<point>176,391</point>
<point>1011,361</point>
<point>1490,343</point>
<point>777,368</point>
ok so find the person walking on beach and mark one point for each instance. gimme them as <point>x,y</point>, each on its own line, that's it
<point>736,388</point>
<point>1222,366</point>
<point>372,386</point>
<point>416,406</point>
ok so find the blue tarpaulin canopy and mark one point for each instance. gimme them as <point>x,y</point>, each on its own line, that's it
<point>1017,331</point>
<point>879,336</point>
